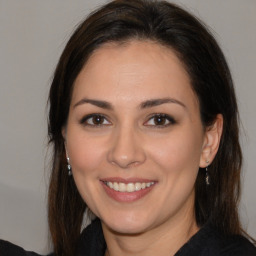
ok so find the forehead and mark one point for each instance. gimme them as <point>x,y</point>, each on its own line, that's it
<point>136,69</point>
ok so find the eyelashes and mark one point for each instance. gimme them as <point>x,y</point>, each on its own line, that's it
<point>160,120</point>
<point>95,120</point>
<point>157,120</point>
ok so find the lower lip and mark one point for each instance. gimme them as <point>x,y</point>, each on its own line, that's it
<point>126,196</point>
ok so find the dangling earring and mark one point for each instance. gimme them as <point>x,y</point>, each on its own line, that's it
<point>207,176</point>
<point>69,167</point>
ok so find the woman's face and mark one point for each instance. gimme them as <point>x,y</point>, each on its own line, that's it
<point>134,136</point>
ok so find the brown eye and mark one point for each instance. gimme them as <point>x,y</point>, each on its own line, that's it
<point>160,120</point>
<point>95,120</point>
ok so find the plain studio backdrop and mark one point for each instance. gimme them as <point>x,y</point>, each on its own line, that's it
<point>33,34</point>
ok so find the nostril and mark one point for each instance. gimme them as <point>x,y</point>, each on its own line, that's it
<point>126,162</point>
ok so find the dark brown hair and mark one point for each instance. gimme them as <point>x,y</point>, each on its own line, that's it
<point>169,25</point>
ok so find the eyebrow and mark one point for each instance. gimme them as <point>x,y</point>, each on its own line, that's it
<point>143,105</point>
<point>157,102</point>
<point>98,103</point>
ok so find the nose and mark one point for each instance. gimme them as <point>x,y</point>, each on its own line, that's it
<point>126,148</point>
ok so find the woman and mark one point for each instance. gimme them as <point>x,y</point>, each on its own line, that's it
<point>144,126</point>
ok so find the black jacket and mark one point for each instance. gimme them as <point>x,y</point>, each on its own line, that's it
<point>206,242</point>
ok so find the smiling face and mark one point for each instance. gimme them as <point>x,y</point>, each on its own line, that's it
<point>134,137</point>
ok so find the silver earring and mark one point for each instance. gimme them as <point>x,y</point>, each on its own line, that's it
<point>69,167</point>
<point>207,176</point>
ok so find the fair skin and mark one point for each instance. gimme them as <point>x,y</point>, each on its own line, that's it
<point>134,124</point>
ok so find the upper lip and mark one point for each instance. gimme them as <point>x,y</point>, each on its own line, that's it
<point>126,180</point>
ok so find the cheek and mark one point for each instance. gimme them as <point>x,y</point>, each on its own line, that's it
<point>178,152</point>
<point>86,158</point>
<point>86,153</point>
<point>177,160</point>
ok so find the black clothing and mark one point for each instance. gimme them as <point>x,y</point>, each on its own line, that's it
<point>9,249</point>
<point>206,242</point>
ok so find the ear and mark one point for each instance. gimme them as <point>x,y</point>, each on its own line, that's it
<point>64,133</point>
<point>211,141</point>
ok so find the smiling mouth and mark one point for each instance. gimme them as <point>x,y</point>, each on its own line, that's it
<point>128,188</point>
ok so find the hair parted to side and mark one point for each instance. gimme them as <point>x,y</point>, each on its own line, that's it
<point>167,24</point>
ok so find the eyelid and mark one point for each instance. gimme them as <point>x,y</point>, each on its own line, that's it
<point>171,120</point>
<point>84,120</point>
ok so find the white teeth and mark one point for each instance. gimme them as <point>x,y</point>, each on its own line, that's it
<point>137,186</point>
<point>116,186</point>
<point>110,184</point>
<point>122,187</point>
<point>130,187</point>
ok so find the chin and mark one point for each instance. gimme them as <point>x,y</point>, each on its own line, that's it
<point>131,225</point>
<point>126,229</point>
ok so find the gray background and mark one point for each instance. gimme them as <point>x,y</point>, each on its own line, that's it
<point>32,36</point>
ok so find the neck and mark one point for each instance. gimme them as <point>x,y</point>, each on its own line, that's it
<point>171,235</point>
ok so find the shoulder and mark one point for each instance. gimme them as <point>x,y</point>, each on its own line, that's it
<point>237,245</point>
<point>209,242</point>
<point>230,245</point>
<point>9,249</point>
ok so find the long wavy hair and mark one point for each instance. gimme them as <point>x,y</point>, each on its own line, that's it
<point>169,25</point>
